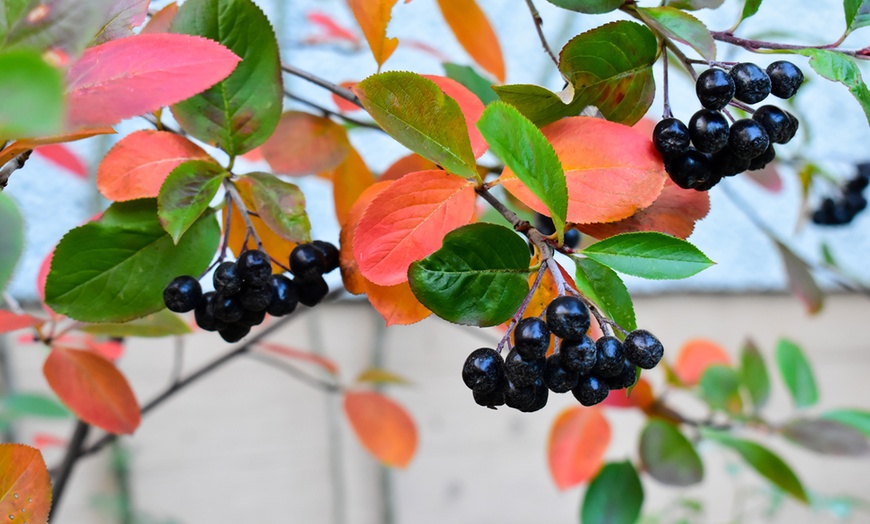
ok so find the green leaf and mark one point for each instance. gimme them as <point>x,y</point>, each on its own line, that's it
<point>614,496</point>
<point>800,281</point>
<point>840,68</point>
<point>12,239</point>
<point>693,5</point>
<point>857,14</point>
<point>750,7</point>
<point>32,92</point>
<point>241,111</point>
<point>281,206</point>
<point>855,418</point>
<point>186,194</point>
<point>681,26</point>
<point>10,12</point>
<point>753,375</point>
<point>720,388</point>
<point>588,6</point>
<point>528,153</point>
<point>668,456</point>
<point>20,405</point>
<point>114,269</point>
<point>478,277</point>
<point>539,105</point>
<point>471,79</point>
<point>764,461</point>
<point>164,323</point>
<point>418,114</point>
<point>828,437</point>
<point>796,373</point>
<point>603,286</point>
<point>61,26</point>
<point>649,255</point>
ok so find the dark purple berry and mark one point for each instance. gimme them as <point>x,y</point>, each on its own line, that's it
<point>785,78</point>
<point>625,379</point>
<point>183,294</point>
<point>792,129</point>
<point>610,359</point>
<point>748,138</point>
<point>572,238</point>
<point>568,317</point>
<point>284,296</point>
<point>726,163</point>
<point>329,252</point>
<point>489,400</point>
<point>252,318</point>
<point>689,169</point>
<point>671,137</point>
<point>751,83</point>
<point>307,262</point>
<point>557,378</point>
<point>708,183</point>
<point>775,122</point>
<point>544,224</point>
<point>483,370</point>
<point>226,279</point>
<point>255,268</point>
<point>227,309</point>
<point>532,338</point>
<point>709,131</point>
<point>541,396</point>
<point>590,390</point>
<point>578,355</point>
<point>715,88</point>
<point>519,397</point>
<point>763,159</point>
<point>312,292</point>
<point>857,184</point>
<point>234,333</point>
<point>204,314</point>
<point>855,202</point>
<point>522,372</point>
<point>643,349</point>
<point>256,298</point>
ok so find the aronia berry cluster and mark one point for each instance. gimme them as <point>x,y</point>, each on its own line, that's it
<point>840,211</point>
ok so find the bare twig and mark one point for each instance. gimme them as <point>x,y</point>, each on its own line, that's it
<point>539,26</point>
<point>290,369</point>
<point>73,451</point>
<point>343,92</point>
<point>761,45</point>
<point>329,112</point>
<point>13,165</point>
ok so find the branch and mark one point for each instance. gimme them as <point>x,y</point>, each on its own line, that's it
<point>243,210</point>
<point>73,452</point>
<point>13,165</point>
<point>329,112</point>
<point>761,45</point>
<point>293,371</point>
<point>539,26</point>
<point>343,92</point>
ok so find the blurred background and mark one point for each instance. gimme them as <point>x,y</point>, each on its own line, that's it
<point>252,444</point>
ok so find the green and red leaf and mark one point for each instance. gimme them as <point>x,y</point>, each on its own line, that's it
<point>186,194</point>
<point>281,206</point>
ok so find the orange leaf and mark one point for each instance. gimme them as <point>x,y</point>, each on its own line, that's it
<point>612,170</point>
<point>139,163</point>
<point>471,108</point>
<point>354,282</point>
<point>674,212</point>
<point>397,304</point>
<point>405,165</point>
<point>383,427</point>
<point>25,485</point>
<point>408,221</point>
<point>695,357</point>
<point>161,20</point>
<point>16,148</point>
<point>303,144</point>
<point>641,397</point>
<point>349,180</point>
<point>276,246</point>
<point>296,354</point>
<point>92,388</point>
<point>578,440</point>
<point>475,33</point>
<point>373,16</point>
<point>9,321</point>
<point>343,104</point>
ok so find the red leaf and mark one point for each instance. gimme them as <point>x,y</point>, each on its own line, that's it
<point>44,440</point>
<point>111,350</point>
<point>475,33</point>
<point>373,16</point>
<point>612,170</point>
<point>304,144</point>
<point>695,357</point>
<point>343,104</point>
<point>41,277</point>
<point>296,354</point>
<point>405,165</point>
<point>349,180</point>
<point>137,165</point>
<point>641,397</point>
<point>92,388</point>
<point>25,485</point>
<point>9,321</point>
<point>408,221</point>
<point>383,427</point>
<point>578,440</point>
<point>161,20</point>
<point>768,178</point>
<point>471,107</point>
<point>137,75</point>
<point>354,282</point>
<point>331,28</point>
<point>62,156</point>
<point>674,212</point>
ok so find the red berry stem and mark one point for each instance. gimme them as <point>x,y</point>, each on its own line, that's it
<point>519,314</point>
<point>243,210</point>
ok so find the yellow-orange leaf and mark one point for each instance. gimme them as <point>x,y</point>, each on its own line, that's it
<point>277,247</point>
<point>161,20</point>
<point>373,16</point>
<point>475,33</point>
<point>92,388</point>
<point>405,165</point>
<point>349,180</point>
<point>408,221</point>
<point>471,107</point>
<point>25,485</point>
<point>695,357</point>
<point>138,164</point>
<point>19,146</point>
<point>304,144</point>
<point>578,440</point>
<point>354,282</point>
<point>397,304</point>
<point>612,170</point>
<point>383,427</point>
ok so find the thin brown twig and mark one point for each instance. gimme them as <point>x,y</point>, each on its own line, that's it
<point>243,211</point>
<point>343,92</point>
<point>329,112</point>
<point>539,26</point>
<point>761,45</point>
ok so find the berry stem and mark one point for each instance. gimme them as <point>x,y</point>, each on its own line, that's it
<point>228,202</point>
<point>666,111</point>
<point>519,314</point>
<point>553,266</point>
<point>602,320</point>
<point>243,211</point>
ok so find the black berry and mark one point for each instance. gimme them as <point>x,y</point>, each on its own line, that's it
<point>572,238</point>
<point>307,262</point>
<point>544,224</point>
<point>252,318</point>
<point>715,88</point>
<point>726,163</point>
<point>709,131</point>
<point>329,252</point>
<point>763,159</point>
<point>227,309</point>
<point>255,268</point>
<point>483,370</point>
<point>590,390</point>
<point>557,378</point>
<point>204,314</point>
<point>671,137</point>
<point>748,138</point>
<point>489,400</point>
<point>234,333</point>
<point>532,338</point>
<point>540,400</point>
<point>785,78</point>
<point>776,123</point>
<point>751,83</point>
<point>689,169</point>
<point>284,296</point>
<point>792,129</point>
<point>183,294</point>
<point>568,317</point>
<point>519,397</point>
<point>610,358</point>
<point>226,279</point>
<point>256,298</point>
<point>578,355</point>
<point>643,349</point>
<point>855,202</point>
<point>625,379</point>
<point>312,292</point>
<point>521,371</point>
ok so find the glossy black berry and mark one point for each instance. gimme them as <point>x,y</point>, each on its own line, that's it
<point>183,294</point>
<point>544,224</point>
<point>256,298</point>
<point>307,262</point>
<point>854,202</point>
<point>312,292</point>
<point>521,371</point>
<point>857,184</point>
<point>715,88</point>
<point>763,159</point>
<point>227,309</point>
<point>689,169</point>
<point>748,138</point>
<point>532,338</point>
<point>226,279</point>
<point>329,252</point>
<point>610,357</point>
<point>557,378</point>
<point>204,314</point>
<point>776,123</point>
<point>483,370</point>
<point>234,333</point>
<point>519,397</point>
<point>671,137</point>
<point>572,238</point>
<point>625,379</point>
<point>751,83</point>
<point>709,131</point>
<point>785,78</point>
<point>578,355</point>
<point>568,317</point>
<point>252,318</point>
<point>255,268</point>
<point>284,296</point>
<point>590,390</point>
<point>708,183</point>
<point>726,163</point>
<point>643,349</point>
<point>542,393</point>
<point>489,400</point>
<point>793,128</point>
